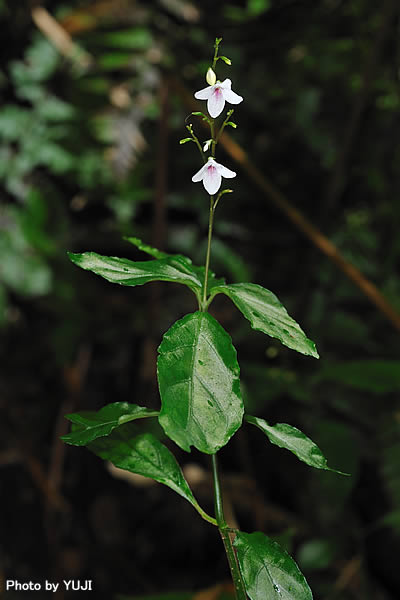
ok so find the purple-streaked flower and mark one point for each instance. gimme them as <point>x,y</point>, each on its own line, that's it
<point>216,96</point>
<point>211,174</point>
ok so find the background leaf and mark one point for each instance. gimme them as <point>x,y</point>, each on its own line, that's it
<point>268,570</point>
<point>377,376</point>
<point>265,313</point>
<point>92,425</point>
<point>289,437</point>
<point>198,376</point>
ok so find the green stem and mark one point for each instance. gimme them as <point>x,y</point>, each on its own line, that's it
<point>219,508</point>
<point>216,46</point>
<point>214,139</point>
<point>224,124</point>
<point>225,532</point>
<point>207,265</point>
<point>196,141</point>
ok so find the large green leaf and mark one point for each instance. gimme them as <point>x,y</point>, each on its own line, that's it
<point>291,438</point>
<point>166,267</point>
<point>198,376</point>
<point>91,425</point>
<point>146,455</point>
<point>265,313</point>
<point>128,272</point>
<point>268,570</point>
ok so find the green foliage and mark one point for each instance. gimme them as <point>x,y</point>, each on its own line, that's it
<point>317,554</point>
<point>265,313</point>
<point>253,9</point>
<point>292,439</point>
<point>269,571</point>
<point>198,377</point>
<point>24,245</point>
<point>89,426</point>
<point>127,272</point>
<point>136,38</point>
<point>167,267</point>
<point>302,68</point>
<point>145,455</point>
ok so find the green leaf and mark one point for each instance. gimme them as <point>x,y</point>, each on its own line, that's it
<point>92,425</point>
<point>318,553</point>
<point>268,570</point>
<point>257,7</point>
<point>291,438</point>
<point>146,248</point>
<point>176,269</point>
<point>265,313</point>
<point>136,38</point>
<point>198,376</point>
<point>115,60</point>
<point>145,455</point>
<point>167,267</point>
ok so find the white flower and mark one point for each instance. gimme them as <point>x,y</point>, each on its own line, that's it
<point>211,174</point>
<point>216,95</point>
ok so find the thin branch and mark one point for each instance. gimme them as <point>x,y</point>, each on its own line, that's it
<point>59,37</point>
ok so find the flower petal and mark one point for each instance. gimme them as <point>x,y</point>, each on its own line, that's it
<point>225,172</point>
<point>211,179</point>
<point>216,102</point>
<point>205,93</point>
<point>226,84</point>
<point>200,174</point>
<point>231,97</point>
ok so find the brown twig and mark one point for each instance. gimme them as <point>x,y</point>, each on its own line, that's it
<point>53,497</point>
<point>298,219</point>
<point>59,37</point>
<point>346,577</point>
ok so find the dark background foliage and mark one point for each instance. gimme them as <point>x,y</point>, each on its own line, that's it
<point>89,153</point>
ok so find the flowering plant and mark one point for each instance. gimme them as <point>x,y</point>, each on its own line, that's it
<point>198,379</point>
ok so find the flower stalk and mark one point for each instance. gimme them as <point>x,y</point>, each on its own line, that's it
<point>208,253</point>
<point>211,174</point>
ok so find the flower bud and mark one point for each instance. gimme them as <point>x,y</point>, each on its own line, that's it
<point>211,77</point>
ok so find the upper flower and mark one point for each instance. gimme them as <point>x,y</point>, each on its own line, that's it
<point>216,95</point>
<point>211,173</point>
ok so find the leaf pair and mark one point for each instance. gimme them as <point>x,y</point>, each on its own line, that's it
<point>260,306</point>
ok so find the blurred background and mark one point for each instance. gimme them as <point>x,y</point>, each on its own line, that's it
<point>94,97</point>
